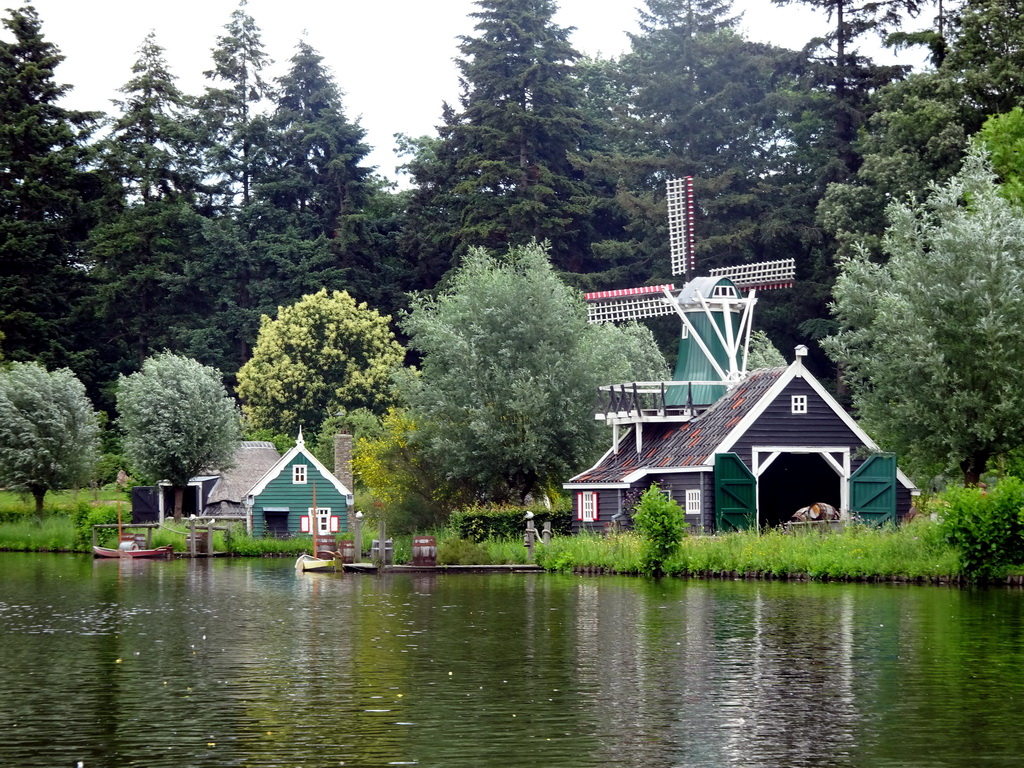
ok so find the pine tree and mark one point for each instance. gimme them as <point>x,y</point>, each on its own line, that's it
<point>143,249</point>
<point>229,111</point>
<point>506,155</point>
<point>44,194</point>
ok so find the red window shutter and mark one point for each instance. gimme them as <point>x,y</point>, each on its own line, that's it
<point>579,505</point>
<point>596,495</point>
<point>304,524</point>
<point>334,523</point>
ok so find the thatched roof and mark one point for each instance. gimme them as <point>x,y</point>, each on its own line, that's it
<point>251,461</point>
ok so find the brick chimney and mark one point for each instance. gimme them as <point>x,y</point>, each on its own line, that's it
<point>343,469</point>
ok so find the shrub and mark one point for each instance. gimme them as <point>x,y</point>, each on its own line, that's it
<point>661,524</point>
<point>503,522</point>
<point>85,516</point>
<point>987,528</point>
<point>462,552</point>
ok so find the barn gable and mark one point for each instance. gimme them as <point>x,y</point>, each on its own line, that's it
<point>798,443</point>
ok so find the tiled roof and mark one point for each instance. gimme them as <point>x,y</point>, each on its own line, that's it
<point>686,444</point>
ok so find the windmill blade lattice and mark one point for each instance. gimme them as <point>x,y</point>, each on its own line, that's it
<point>629,304</point>
<point>679,198</point>
<point>762,276</point>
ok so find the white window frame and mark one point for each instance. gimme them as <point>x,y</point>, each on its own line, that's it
<point>300,474</point>
<point>693,502</point>
<point>323,520</point>
<point>588,506</point>
<point>798,404</point>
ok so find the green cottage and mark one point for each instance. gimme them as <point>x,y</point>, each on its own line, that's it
<point>281,502</point>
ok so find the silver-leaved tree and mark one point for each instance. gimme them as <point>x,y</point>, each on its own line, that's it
<point>504,399</point>
<point>178,421</point>
<point>930,342</point>
<point>49,433</point>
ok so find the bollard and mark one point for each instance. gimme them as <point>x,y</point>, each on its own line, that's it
<point>357,538</point>
<point>545,535</point>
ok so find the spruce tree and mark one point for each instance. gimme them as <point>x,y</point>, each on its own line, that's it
<point>143,249</point>
<point>45,189</point>
<point>506,154</point>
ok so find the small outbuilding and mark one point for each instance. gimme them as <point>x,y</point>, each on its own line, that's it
<point>280,503</point>
<point>776,442</point>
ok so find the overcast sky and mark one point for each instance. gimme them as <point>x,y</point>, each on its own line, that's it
<point>391,58</point>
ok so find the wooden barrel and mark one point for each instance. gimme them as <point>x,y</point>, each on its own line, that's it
<point>348,551</point>
<point>424,550</point>
<point>325,546</point>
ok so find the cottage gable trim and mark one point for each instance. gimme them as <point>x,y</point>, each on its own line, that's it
<point>285,461</point>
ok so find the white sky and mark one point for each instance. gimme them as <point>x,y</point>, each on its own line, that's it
<point>391,58</point>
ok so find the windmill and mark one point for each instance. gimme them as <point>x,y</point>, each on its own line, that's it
<point>716,312</point>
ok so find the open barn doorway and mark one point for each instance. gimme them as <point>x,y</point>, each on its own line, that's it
<point>796,480</point>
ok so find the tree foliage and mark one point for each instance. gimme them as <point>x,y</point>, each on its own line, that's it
<point>323,354</point>
<point>930,342</point>
<point>49,433</point>
<point>45,190</point>
<point>504,402</point>
<point>177,420</point>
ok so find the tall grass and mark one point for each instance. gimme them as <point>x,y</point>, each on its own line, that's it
<point>914,551</point>
<point>54,534</point>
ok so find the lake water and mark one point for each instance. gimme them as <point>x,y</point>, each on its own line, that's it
<point>246,663</point>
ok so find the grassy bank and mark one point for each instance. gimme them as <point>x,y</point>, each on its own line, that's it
<point>915,551</point>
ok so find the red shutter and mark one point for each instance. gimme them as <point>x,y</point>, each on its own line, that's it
<point>595,504</point>
<point>334,523</point>
<point>304,524</point>
<point>579,506</point>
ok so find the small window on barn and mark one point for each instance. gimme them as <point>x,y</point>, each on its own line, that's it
<point>693,502</point>
<point>588,506</point>
<point>799,404</point>
<point>299,473</point>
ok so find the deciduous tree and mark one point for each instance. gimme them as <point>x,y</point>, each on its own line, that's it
<point>323,354</point>
<point>503,405</point>
<point>178,421</point>
<point>49,433</point>
<point>930,341</point>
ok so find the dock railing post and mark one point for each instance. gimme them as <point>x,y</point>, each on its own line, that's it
<point>209,538</point>
<point>545,535</point>
<point>192,537</point>
<point>357,537</point>
<point>531,536</point>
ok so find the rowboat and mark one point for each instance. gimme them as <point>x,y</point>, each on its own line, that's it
<point>127,546</point>
<point>129,549</point>
<point>310,563</point>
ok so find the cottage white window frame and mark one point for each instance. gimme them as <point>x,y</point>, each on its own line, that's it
<point>693,501</point>
<point>299,474</point>
<point>798,404</point>
<point>325,525</point>
<point>588,506</point>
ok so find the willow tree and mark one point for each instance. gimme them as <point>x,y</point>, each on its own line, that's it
<point>323,354</point>
<point>930,341</point>
<point>178,421</point>
<point>49,433</point>
<point>503,403</point>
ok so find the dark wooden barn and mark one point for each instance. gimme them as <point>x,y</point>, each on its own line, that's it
<point>774,443</point>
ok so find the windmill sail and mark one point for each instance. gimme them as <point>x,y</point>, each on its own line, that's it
<point>679,198</point>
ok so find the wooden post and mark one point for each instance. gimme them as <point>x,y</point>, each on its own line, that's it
<point>531,535</point>
<point>149,537</point>
<point>545,535</point>
<point>381,547</point>
<point>357,539</point>
<point>209,538</point>
<point>95,541</point>
<point>192,537</point>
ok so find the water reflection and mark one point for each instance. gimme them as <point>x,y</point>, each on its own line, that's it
<point>220,662</point>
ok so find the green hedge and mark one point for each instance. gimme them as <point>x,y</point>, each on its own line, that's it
<point>506,521</point>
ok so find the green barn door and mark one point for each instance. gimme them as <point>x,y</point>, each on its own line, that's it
<point>735,494</point>
<point>873,489</point>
